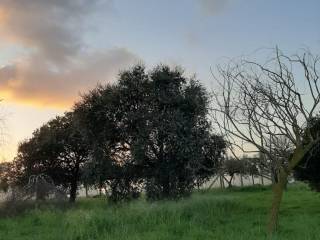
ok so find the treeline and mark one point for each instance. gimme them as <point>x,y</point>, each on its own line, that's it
<point>148,132</point>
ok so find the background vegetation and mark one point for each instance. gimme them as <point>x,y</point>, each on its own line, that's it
<point>150,134</point>
<point>239,213</point>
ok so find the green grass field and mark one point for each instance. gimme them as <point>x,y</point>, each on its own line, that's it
<point>219,214</point>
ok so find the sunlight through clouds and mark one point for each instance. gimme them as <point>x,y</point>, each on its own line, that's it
<point>58,65</point>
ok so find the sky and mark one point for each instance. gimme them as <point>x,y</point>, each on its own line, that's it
<point>52,51</point>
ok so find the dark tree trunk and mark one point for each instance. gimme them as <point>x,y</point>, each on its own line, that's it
<point>221,182</point>
<point>241,179</point>
<point>86,188</point>
<point>230,181</point>
<point>73,191</point>
<point>166,187</point>
<point>262,181</point>
<point>74,184</point>
<point>198,185</point>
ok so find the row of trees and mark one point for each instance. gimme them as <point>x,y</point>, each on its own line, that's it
<point>244,167</point>
<point>148,131</point>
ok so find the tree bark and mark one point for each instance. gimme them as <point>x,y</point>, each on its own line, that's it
<point>252,179</point>
<point>74,184</point>
<point>73,191</point>
<point>166,187</point>
<point>230,181</point>
<point>86,188</point>
<point>262,181</point>
<point>280,185</point>
<point>278,189</point>
<point>221,182</point>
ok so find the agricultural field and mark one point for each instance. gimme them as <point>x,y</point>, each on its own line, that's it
<point>238,213</point>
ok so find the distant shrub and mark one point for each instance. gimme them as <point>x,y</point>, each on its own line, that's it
<point>39,188</point>
<point>123,189</point>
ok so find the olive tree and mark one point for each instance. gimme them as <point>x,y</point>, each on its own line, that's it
<point>58,150</point>
<point>152,128</point>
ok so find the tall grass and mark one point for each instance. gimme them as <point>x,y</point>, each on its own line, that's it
<point>218,214</point>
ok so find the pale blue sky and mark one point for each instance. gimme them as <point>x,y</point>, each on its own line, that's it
<point>53,49</point>
<point>182,32</point>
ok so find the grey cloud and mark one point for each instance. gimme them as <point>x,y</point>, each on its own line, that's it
<point>37,82</point>
<point>58,67</point>
<point>7,74</point>
<point>52,28</point>
<point>212,7</point>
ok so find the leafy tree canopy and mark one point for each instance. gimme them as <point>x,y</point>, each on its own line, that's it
<point>154,128</point>
<point>56,149</point>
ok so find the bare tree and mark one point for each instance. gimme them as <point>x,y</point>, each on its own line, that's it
<point>267,108</point>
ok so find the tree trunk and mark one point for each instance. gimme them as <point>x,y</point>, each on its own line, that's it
<point>166,187</point>
<point>74,183</point>
<point>213,182</point>
<point>230,181</point>
<point>86,188</point>
<point>262,181</point>
<point>73,191</point>
<point>273,177</point>
<point>241,179</point>
<point>280,185</point>
<point>100,186</point>
<point>221,182</point>
<point>277,190</point>
<point>198,185</point>
<point>252,179</point>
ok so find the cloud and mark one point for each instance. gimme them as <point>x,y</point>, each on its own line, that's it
<point>213,7</point>
<point>36,82</point>
<point>58,66</point>
<point>50,28</point>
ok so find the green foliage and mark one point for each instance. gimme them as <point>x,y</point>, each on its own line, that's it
<point>5,175</point>
<point>58,150</point>
<point>218,214</point>
<point>309,171</point>
<point>150,127</point>
<point>146,130</point>
<point>309,168</point>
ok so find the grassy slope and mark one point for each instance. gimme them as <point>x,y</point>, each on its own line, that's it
<point>230,214</point>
